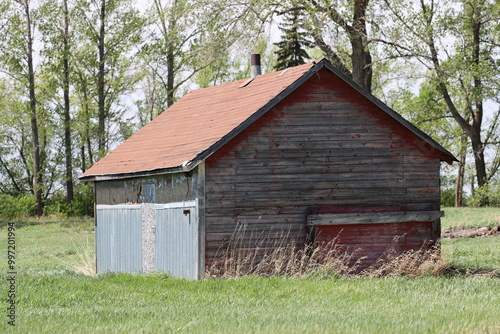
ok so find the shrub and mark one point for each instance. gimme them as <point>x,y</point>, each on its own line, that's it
<point>485,195</point>
<point>17,206</point>
<point>448,197</point>
<point>82,204</point>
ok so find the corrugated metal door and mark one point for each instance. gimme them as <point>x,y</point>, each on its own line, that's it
<point>119,238</point>
<point>176,240</point>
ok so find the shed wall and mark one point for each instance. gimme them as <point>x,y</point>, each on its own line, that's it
<point>325,147</point>
<point>371,242</point>
<point>167,188</point>
<point>152,223</point>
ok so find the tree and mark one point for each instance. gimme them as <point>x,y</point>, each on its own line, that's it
<point>17,56</point>
<point>189,41</point>
<point>291,47</point>
<point>428,111</point>
<point>339,29</point>
<point>58,51</point>
<point>457,41</point>
<point>15,167</point>
<point>112,29</point>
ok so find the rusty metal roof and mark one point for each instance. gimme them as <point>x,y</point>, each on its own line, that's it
<point>205,119</point>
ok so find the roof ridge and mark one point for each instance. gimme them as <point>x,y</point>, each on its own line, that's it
<point>207,118</point>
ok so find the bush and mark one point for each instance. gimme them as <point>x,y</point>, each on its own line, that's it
<point>484,196</point>
<point>82,204</point>
<point>448,197</point>
<point>25,206</point>
<point>17,206</point>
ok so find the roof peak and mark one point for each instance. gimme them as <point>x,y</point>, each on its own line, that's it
<point>205,119</point>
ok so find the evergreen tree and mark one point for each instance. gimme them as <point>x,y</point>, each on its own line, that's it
<point>291,47</point>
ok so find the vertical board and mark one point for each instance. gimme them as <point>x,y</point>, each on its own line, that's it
<point>176,239</point>
<point>119,238</point>
<point>148,192</point>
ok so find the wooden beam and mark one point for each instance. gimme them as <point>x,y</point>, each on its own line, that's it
<point>373,217</point>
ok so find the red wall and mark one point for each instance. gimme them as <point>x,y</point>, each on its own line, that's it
<point>325,147</point>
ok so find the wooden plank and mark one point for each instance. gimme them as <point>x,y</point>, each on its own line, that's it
<point>294,171</point>
<point>268,176</point>
<point>263,205</point>
<point>373,217</point>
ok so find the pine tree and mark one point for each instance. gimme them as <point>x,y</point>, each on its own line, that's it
<point>291,47</point>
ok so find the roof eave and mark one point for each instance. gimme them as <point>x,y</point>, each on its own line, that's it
<point>191,164</point>
<point>120,176</point>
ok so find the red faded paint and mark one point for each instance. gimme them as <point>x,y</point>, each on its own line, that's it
<point>203,117</point>
<point>324,147</point>
<point>369,242</point>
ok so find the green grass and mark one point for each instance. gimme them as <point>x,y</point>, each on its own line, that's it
<point>47,245</point>
<point>69,303</point>
<point>52,298</point>
<point>455,218</point>
<point>475,254</point>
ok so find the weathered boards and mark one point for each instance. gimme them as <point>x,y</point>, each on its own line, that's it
<point>288,154</point>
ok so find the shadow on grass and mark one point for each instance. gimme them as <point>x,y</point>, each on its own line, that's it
<point>23,223</point>
<point>469,272</point>
<point>71,222</point>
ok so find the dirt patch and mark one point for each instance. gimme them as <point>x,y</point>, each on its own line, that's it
<point>472,232</point>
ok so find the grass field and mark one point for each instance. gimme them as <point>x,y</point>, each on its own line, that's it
<point>53,298</point>
<point>470,217</point>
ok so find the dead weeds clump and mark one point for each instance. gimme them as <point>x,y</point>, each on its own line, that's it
<point>426,261</point>
<point>273,254</point>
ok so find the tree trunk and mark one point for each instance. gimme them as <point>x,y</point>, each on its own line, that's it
<point>82,154</point>
<point>170,78</point>
<point>459,189</point>
<point>168,29</point>
<point>86,134</point>
<point>101,106</point>
<point>37,173</point>
<point>362,71</point>
<point>67,117</point>
<point>472,185</point>
<point>480,163</point>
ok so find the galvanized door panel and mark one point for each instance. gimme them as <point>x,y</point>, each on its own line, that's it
<point>176,239</point>
<point>119,238</point>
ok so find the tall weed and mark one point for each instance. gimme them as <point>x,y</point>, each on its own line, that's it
<point>273,255</point>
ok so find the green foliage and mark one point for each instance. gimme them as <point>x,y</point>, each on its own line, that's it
<point>24,205</point>
<point>291,47</point>
<point>17,206</point>
<point>456,41</point>
<point>82,204</point>
<point>448,197</point>
<point>485,194</point>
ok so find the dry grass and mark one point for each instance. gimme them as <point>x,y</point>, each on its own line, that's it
<point>84,263</point>
<point>272,254</point>
<point>413,263</point>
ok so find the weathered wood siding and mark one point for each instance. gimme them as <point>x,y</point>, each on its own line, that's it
<point>166,188</point>
<point>325,147</point>
<point>370,242</point>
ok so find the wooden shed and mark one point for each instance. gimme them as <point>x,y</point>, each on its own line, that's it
<point>305,153</point>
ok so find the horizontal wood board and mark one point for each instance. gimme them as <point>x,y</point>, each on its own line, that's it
<point>367,243</point>
<point>373,217</point>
